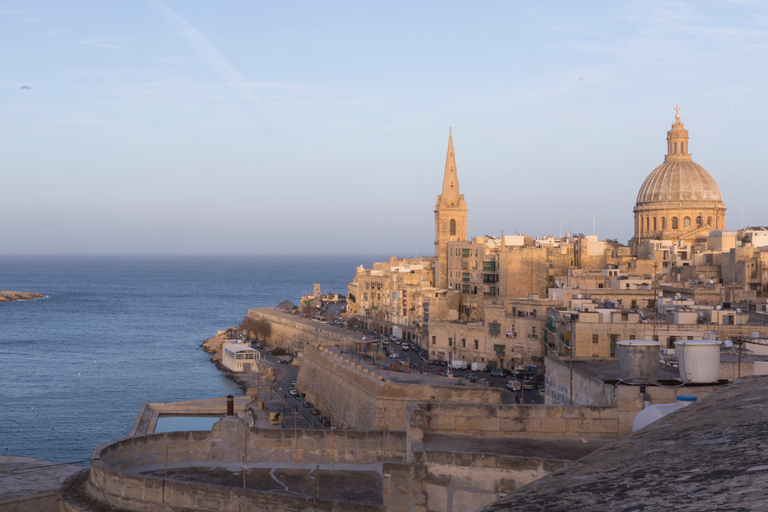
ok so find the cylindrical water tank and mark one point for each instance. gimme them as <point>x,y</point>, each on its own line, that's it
<point>655,412</point>
<point>698,360</point>
<point>639,360</point>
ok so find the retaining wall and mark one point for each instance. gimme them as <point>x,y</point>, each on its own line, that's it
<point>358,400</point>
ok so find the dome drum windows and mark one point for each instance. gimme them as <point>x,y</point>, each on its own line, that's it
<point>674,222</point>
<point>686,222</point>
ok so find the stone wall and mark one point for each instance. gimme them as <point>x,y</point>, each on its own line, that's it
<point>356,399</point>
<point>115,466</point>
<point>292,332</point>
<point>516,420</point>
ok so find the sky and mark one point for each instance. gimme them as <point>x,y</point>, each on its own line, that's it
<point>253,127</point>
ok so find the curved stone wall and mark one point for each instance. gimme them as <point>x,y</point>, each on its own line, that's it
<point>116,467</point>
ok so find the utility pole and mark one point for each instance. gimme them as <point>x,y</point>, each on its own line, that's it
<point>655,298</point>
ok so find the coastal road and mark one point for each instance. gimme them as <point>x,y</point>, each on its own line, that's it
<point>286,373</point>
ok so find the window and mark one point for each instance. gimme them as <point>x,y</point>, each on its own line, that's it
<point>632,336</point>
<point>465,277</point>
<point>614,339</point>
<point>663,223</point>
<point>489,266</point>
<point>654,223</point>
<point>450,342</point>
<point>682,147</point>
<point>465,253</point>
<point>465,288</point>
<point>533,332</point>
<point>595,338</point>
<point>434,340</point>
<point>476,345</point>
<point>494,328</point>
<point>675,147</point>
<point>709,221</point>
<point>463,343</point>
<point>698,221</point>
<point>453,227</point>
<point>674,222</point>
<point>687,222</point>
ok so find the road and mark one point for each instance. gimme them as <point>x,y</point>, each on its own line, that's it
<point>531,396</point>
<point>286,373</point>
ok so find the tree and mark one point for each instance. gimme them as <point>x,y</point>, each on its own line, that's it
<point>256,328</point>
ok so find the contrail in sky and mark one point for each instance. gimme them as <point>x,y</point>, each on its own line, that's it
<point>209,54</point>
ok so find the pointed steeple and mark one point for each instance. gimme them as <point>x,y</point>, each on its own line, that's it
<point>677,140</point>
<point>450,193</point>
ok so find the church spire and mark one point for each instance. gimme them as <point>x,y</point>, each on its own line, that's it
<point>450,193</point>
<point>677,140</point>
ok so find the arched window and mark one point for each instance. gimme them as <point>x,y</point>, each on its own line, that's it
<point>674,222</point>
<point>682,148</point>
<point>453,227</point>
<point>654,224</point>
<point>663,223</point>
<point>686,222</point>
<point>698,221</point>
<point>647,224</point>
<point>709,221</point>
<point>675,147</point>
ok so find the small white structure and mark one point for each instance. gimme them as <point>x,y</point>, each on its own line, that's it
<point>237,357</point>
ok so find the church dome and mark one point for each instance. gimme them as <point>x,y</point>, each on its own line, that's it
<point>679,181</point>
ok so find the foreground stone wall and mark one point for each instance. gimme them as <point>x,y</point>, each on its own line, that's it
<point>113,468</point>
<point>358,400</point>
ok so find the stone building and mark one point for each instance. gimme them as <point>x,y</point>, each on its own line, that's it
<point>389,296</point>
<point>679,200</point>
<point>450,216</point>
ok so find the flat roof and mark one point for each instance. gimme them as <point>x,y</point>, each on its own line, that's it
<point>239,347</point>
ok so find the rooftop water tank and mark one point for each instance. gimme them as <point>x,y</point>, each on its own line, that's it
<point>639,360</point>
<point>699,360</point>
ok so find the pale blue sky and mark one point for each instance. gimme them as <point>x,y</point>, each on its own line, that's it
<point>321,127</point>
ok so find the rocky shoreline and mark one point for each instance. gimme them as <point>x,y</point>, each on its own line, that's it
<point>8,296</point>
<point>244,380</point>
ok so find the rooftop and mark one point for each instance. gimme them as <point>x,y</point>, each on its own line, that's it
<point>707,456</point>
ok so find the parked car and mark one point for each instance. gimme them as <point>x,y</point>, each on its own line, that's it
<point>470,377</point>
<point>293,392</point>
<point>326,422</point>
<point>307,405</point>
<point>297,397</point>
<point>497,373</point>
<point>315,412</point>
<point>542,391</point>
<point>527,384</point>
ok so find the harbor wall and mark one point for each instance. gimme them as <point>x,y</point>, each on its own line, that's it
<point>292,332</point>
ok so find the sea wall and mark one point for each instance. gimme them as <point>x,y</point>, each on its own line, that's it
<point>292,332</point>
<point>356,399</point>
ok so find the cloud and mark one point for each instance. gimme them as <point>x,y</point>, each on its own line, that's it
<point>211,55</point>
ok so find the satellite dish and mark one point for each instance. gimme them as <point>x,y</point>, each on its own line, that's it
<point>557,283</point>
<point>728,344</point>
<point>738,310</point>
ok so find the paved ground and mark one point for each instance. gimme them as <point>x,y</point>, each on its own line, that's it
<point>358,486</point>
<point>23,478</point>
<point>523,446</point>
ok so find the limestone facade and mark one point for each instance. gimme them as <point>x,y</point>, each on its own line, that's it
<point>450,216</point>
<point>679,200</point>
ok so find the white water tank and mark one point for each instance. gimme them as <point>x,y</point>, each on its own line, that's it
<point>698,360</point>
<point>639,360</point>
<point>658,411</point>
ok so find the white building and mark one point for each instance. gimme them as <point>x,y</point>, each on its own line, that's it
<point>238,357</point>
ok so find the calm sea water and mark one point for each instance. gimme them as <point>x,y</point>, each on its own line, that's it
<point>115,332</point>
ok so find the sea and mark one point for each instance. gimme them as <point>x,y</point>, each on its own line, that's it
<point>114,332</point>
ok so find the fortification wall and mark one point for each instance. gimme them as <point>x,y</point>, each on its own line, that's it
<point>356,399</point>
<point>114,467</point>
<point>292,332</point>
<point>517,420</point>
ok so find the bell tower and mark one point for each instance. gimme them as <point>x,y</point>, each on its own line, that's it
<point>450,217</point>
